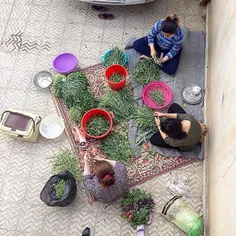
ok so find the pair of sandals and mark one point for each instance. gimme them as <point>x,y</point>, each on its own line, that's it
<point>141,228</point>
<point>103,16</point>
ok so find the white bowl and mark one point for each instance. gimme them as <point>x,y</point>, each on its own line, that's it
<point>51,127</point>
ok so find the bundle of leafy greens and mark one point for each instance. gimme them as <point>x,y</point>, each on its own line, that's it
<point>116,146</point>
<point>136,207</point>
<point>115,57</point>
<point>75,114</point>
<point>75,93</point>
<point>64,161</point>
<point>146,71</point>
<point>85,100</point>
<point>157,96</point>
<point>68,85</point>
<point>145,118</point>
<point>120,102</point>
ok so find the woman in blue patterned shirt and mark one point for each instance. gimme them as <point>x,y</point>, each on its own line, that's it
<point>163,41</point>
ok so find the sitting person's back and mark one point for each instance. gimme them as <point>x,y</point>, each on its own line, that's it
<point>109,181</point>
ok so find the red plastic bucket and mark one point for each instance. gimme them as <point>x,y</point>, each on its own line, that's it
<point>96,112</point>
<point>116,68</point>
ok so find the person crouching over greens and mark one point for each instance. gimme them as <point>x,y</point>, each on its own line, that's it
<point>178,130</point>
<point>164,41</point>
<point>109,182</point>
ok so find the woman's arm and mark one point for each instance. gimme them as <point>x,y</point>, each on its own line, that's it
<point>167,115</point>
<point>87,170</point>
<point>113,163</point>
<point>177,45</point>
<point>158,122</point>
<point>153,33</point>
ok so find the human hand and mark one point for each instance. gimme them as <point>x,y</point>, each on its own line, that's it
<point>157,121</point>
<point>98,158</point>
<point>153,54</point>
<point>86,157</point>
<point>158,114</point>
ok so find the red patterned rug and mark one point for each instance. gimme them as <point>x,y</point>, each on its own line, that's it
<point>150,163</point>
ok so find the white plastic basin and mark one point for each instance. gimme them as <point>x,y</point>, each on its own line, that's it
<point>51,127</point>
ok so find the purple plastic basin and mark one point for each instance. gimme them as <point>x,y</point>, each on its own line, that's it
<point>65,63</point>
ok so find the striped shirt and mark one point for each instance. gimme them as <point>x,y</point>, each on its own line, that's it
<point>173,43</point>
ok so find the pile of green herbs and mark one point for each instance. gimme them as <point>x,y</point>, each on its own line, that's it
<point>116,146</point>
<point>68,85</point>
<point>120,102</point>
<point>75,114</point>
<point>146,71</point>
<point>116,77</point>
<point>136,207</point>
<point>64,161</point>
<point>145,119</point>
<point>157,96</point>
<point>59,188</point>
<point>97,125</point>
<point>75,93</point>
<point>116,56</point>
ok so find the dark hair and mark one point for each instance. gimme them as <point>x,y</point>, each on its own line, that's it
<point>173,128</point>
<point>104,173</point>
<point>170,24</point>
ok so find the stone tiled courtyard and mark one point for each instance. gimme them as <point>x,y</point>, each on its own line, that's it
<point>32,32</point>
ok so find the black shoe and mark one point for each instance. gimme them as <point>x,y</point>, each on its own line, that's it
<point>86,232</point>
<point>99,8</point>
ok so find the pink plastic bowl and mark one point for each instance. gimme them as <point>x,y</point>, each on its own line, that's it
<point>159,86</point>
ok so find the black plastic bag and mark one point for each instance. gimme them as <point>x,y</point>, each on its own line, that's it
<point>48,194</point>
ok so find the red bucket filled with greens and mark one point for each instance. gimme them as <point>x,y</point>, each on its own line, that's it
<point>97,123</point>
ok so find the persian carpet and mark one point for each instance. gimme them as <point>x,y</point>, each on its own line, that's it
<point>148,165</point>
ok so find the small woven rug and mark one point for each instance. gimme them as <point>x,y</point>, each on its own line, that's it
<point>150,163</point>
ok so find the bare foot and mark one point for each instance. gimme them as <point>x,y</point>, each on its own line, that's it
<point>76,137</point>
<point>78,130</point>
<point>144,57</point>
<point>80,134</point>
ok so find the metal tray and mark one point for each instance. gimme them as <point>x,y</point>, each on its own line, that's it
<point>189,97</point>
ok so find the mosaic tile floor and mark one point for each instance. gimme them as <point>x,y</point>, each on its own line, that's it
<point>32,32</point>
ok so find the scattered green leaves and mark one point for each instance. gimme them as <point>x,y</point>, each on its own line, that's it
<point>146,71</point>
<point>115,57</point>
<point>66,160</point>
<point>115,78</point>
<point>120,102</point>
<point>97,125</point>
<point>157,96</point>
<point>59,188</point>
<point>117,147</point>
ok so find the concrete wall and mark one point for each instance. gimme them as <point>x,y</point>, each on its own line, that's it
<point>221,117</point>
